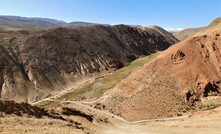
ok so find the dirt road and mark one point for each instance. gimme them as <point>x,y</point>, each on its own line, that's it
<point>71,88</point>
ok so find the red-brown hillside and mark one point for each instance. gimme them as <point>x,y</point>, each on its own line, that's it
<point>172,82</point>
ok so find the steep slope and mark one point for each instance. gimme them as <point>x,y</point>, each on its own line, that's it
<point>215,22</point>
<point>171,83</point>
<point>35,67</point>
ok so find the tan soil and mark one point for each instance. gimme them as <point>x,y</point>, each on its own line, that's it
<point>202,122</point>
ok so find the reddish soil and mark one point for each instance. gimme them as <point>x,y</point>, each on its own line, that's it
<point>173,82</point>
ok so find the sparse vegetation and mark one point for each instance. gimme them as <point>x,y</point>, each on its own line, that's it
<point>210,102</point>
<point>100,85</point>
<point>213,106</point>
<point>103,84</point>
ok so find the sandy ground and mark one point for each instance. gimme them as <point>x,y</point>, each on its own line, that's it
<point>205,122</point>
<point>202,122</point>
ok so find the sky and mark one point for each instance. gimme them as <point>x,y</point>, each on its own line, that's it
<point>170,14</point>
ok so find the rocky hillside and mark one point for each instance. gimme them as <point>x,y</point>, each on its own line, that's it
<point>36,66</point>
<point>173,82</point>
<point>215,22</point>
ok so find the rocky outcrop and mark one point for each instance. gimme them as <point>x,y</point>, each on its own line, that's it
<point>71,111</point>
<point>34,67</point>
<point>19,109</point>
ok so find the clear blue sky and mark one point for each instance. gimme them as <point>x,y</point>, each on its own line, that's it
<point>165,13</point>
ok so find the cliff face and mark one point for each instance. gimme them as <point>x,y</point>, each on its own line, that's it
<point>178,78</point>
<point>36,66</point>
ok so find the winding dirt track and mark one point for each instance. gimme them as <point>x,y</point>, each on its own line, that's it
<point>79,105</point>
<point>76,85</point>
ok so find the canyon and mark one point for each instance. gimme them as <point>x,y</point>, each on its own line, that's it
<point>93,79</point>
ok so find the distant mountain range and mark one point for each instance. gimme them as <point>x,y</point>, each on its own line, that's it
<point>8,23</point>
<point>186,33</point>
